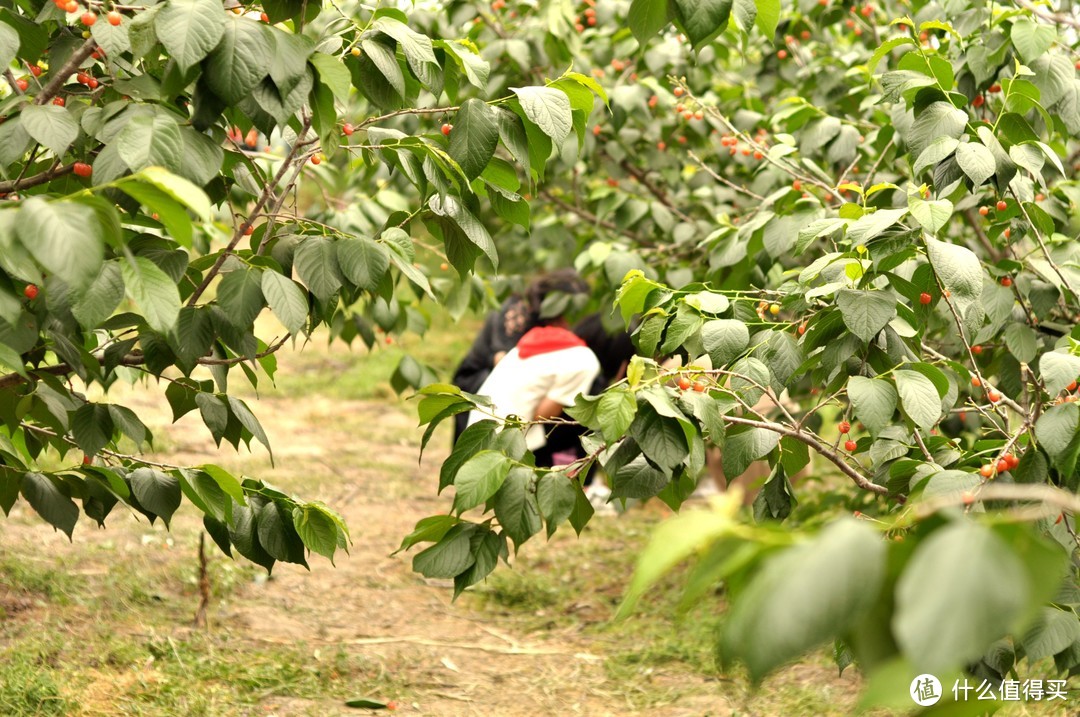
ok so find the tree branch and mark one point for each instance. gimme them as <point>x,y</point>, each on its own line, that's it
<point>832,456</point>
<point>135,360</point>
<point>60,77</point>
<point>15,185</point>
<point>591,218</point>
<point>654,190</point>
<point>412,111</point>
<point>241,230</point>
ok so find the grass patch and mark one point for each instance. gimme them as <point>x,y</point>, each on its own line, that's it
<point>55,584</point>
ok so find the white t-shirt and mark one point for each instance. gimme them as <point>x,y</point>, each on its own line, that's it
<point>517,385</point>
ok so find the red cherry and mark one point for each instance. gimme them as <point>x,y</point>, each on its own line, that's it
<point>114,18</point>
<point>983,211</point>
<point>347,130</point>
<point>249,230</point>
<point>264,17</point>
<point>976,349</point>
<point>1011,461</point>
<point>316,159</point>
<point>22,84</point>
<point>979,101</point>
<point>35,70</point>
<point>661,145</point>
<point>1002,205</point>
<point>976,381</point>
<point>82,169</point>
<point>71,6</point>
<point>1006,281</point>
<point>844,427</point>
<point>58,101</point>
<point>678,92</point>
<point>446,129</point>
<point>87,460</point>
<point>986,470</point>
<point>88,18</point>
<point>1002,465</point>
<point>1071,386</point>
<point>758,156</point>
<point>802,328</point>
<point>850,446</point>
<point>994,396</point>
<point>796,185</point>
<point>92,83</point>
<point>782,54</point>
<point>30,292</point>
<point>699,386</point>
<point>805,34</point>
<point>1006,233</point>
<point>684,383</point>
<point>995,88</point>
<point>925,298</point>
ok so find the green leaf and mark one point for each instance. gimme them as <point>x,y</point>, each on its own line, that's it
<point>363,261</point>
<point>647,18</point>
<point>548,109</point>
<point>744,445</point>
<point>428,530</point>
<point>961,590</point>
<point>1055,630</point>
<point>9,44</point>
<point>317,265</point>
<point>240,295</point>
<point>473,229</point>
<point>938,150</point>
<point>958,269</point>
<point>931,215</point>
<point>113,39</point>
<point>91,427</point>
<point>615,412</point>
<point>1022,342</point>
<point>53,126</point>
<point>874,401</point>
<point>1057,370</point>
<point>768,16</point>
<point>724,340</point>
<point>149,140</point>
<point>556,495</point>
<point>919,398</point>
<point>805,596</point>
<point>1031,38</point>
<point>673,541</point>
<point>479,478</point>
<point>475,137</point>
<point>516,507</point>
<point>190,29</point>
<point>938,120</point>
<point>316,529</point>
<point>702,20</point>
<point>638,479</point>
<point>155,294</point>
<point>158,493</point>
<point>333,74</point>
<point>45,497</point>
<point>276,533</point>
<point>66,238</point>
<point>1056,428</point>
<point>240,60</point>
<point>976,160</point>
<point>449,557</point>
<point>287,300</point>
<point>866,312</point>
<point>476,68</point>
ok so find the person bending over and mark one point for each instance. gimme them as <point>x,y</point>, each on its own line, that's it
<point>504,327</point>
<point>539,378</point>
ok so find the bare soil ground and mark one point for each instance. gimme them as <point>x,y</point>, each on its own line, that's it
<point>395,632</point>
